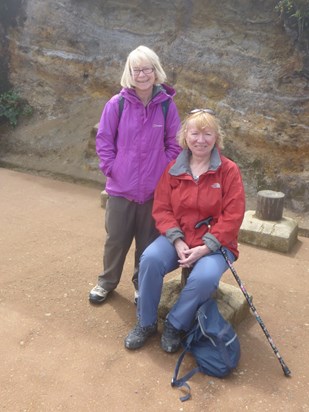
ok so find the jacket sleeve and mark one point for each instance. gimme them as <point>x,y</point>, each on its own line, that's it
<point>225,229</point>
<point>106,136</point>
<point>172,125</point>
<point>162,210</point>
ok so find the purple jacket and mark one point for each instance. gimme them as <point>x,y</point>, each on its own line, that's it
<point>133,152</point>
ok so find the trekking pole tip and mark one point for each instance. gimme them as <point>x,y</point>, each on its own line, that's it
<point>286,371</point>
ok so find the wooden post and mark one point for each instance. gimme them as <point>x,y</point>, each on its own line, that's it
<point>269,205</point>
<point>185,272</point>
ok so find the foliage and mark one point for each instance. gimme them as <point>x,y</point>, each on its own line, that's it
<point>12,106</point>
<point>295,9</point>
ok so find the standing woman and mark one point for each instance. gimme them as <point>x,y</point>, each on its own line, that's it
<point>200,184</point>
<point>136,140</point>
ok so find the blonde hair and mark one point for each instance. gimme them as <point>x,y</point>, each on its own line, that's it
<point>201,119</point>
<point>141,54</point>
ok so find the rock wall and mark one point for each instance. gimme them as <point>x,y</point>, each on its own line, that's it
<point>233,56</point>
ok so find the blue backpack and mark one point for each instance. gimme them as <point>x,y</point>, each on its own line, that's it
<point>213,343</point>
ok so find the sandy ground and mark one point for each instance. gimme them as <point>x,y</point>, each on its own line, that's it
<point>59,353</point>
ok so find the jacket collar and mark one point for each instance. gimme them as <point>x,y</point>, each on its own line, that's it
<point>182,164</point>
<point>160,92</point>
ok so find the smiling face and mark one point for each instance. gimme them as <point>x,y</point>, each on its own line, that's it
<point>203,123</point>
<point>200,141</point>
<point>143,76</point>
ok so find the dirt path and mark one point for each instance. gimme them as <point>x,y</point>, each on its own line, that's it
<point>58,353</point>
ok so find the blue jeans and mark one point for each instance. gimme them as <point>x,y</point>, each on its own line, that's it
<point>160,258</point>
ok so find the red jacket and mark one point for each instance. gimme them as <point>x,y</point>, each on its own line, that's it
<point>180,203</point>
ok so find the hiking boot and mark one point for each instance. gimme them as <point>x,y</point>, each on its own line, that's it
<point>171,338</point>
<point>97,294</point>
<point>138,336</point>
<point>136,295</point>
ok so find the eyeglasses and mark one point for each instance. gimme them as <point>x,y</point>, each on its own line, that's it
<point>146,70</point>
<point>209,111</point>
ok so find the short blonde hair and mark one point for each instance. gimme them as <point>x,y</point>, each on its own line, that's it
<point>201,119</point>
<point>142,53</point>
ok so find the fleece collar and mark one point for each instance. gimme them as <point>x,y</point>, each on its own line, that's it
<point>182,164</point>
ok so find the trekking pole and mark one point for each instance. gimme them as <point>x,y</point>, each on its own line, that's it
<point>286,370</point>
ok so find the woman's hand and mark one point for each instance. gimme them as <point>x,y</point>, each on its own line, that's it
<point>181,247</point>
<point>192,255</point>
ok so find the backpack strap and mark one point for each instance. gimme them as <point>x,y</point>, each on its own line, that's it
<point>182,382</point>
<point>121,104</point>
<point>165,106</point>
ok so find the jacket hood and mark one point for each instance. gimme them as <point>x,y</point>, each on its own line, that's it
<point>169,90</point>
<point>160,93</point>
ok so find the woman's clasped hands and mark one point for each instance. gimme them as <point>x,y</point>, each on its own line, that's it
<point>187,256</point>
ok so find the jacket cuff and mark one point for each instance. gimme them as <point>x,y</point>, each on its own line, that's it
<point>211,242</point>
<point>173,234</point>
<point>106,170</point>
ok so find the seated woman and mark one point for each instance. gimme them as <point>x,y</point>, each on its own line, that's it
<point>201,183</point>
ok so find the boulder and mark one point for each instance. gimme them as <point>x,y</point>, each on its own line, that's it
<point>232,304</point>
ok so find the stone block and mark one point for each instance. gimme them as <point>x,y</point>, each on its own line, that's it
<point>278,235</point>
<point>104,197</point>
<point>232,303</point>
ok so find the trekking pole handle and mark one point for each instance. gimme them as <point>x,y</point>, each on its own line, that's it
<point>203,222</point>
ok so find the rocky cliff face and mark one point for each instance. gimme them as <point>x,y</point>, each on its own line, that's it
<point>234,56</point>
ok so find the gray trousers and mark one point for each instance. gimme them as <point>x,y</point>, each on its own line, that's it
<point>124,221</point>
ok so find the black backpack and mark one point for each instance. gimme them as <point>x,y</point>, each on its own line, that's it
<point>213,343</point>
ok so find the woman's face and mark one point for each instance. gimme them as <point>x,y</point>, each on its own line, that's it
<point>143,76</point>
<point>200,141</point>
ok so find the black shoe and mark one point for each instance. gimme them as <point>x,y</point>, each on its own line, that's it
<point>138,336</point>
<point>171,338</point>
<point>98,295</point>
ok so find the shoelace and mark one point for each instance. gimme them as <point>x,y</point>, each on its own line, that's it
<point>100,290</point>
<point>170,330</point>
<point>140,330</point>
